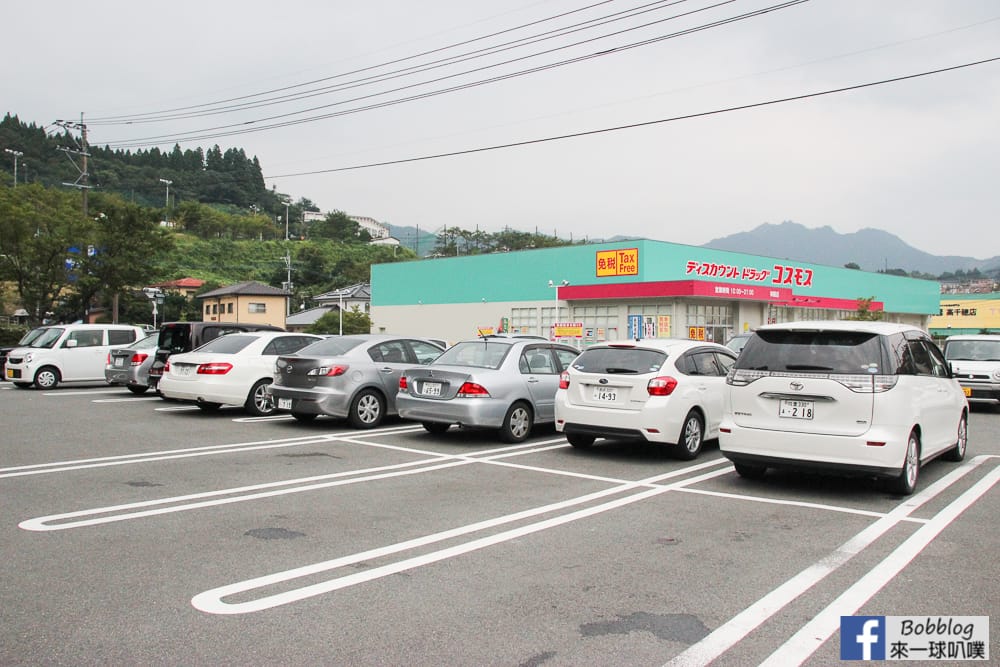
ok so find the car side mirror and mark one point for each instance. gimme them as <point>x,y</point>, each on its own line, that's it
<point>72,342</point>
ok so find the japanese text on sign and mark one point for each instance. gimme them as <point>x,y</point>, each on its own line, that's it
<point>779,275</point>
<point>618,262</point>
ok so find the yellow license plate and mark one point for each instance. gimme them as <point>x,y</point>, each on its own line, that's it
<point>967,390</point>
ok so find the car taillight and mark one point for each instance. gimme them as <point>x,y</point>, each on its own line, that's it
<point>328,371</point>
<point>564,380</point>
<point>741,377</point>
<point>214,368</point>
<point>138,358</point>
<point>866,384</point>
<point>472,390</point>
<point>166,367</point>
<point>402,383</point>
<point>108,362</point>
<point>661,386</point>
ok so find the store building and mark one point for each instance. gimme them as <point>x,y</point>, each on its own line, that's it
<point>966,314</point>
<point>615,291</point>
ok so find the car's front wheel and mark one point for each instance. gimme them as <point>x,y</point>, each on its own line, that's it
<point>692,437</point>
<point>367,409</point>
<point>47,377</point>
<point>259,403</point>
<point>906,482</point>
<point>517,423</point>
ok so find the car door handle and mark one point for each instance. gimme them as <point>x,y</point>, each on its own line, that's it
<point>532,379</point>
<point>386,369</point>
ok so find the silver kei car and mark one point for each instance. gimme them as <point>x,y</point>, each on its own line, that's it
<point>501,383</point>
<point>348,377</point>
<point>129,366</point>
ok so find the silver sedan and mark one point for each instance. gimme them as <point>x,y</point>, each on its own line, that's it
<point>349,377</point>
<point>506,384</point>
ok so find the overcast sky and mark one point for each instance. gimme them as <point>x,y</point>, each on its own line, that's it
<point>918,158</point>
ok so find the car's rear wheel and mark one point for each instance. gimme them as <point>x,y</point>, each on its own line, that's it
<point>692,437</point>
<point>906,482</point>
<point>436,428</point>
<point>957,453</point>
<point>304,417</point>
<point>517,423</point>
<point>47,377</point>
<point>207,406</point>
<point>367,409</point>
<point>580,440</point>
<point>136,389</point>
<point>750,471</point>
<point>259,403</point>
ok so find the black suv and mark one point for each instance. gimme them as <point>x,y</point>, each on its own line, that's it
<point>178,337</point>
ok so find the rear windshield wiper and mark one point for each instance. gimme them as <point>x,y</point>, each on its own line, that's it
<point>807,367</point>
<point>620,370</point>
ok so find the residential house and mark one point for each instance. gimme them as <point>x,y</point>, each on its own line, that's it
<point>246,302</point>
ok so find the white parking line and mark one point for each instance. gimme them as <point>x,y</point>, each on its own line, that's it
<point>133,399</point>
<point>163,455</point>
<point>794,503</point>
<point>212,601</point>
<point>84,392</point>
<point>735,629</point>
<point>813,634</point>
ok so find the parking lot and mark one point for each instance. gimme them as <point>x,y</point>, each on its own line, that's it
<point>140,531</point>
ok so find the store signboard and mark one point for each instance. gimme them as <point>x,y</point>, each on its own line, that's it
<point>618,262</point>
<point>568,330</point>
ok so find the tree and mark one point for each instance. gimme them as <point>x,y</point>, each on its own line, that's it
<point>864,311</point>
<point>355,322</point>
<point>337,226</point>
<point>852,265</point>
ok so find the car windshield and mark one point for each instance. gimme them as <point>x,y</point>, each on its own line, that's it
<point>48,338</point>
<point>624,360</point>
<point>227,344</point>
<point>848,352</point>
<point>972,350</point>
<point>330,347</point>
<point>30,336</point>
<point>488,353</point>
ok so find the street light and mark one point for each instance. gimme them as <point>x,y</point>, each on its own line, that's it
<point>166,205</point>
<point>16,155</point>
<point>564,283</point>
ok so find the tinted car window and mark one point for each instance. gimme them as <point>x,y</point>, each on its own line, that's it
<point>703,363</point>
<point>120,336</point>
<point>389,352</point>
<point>481,354</point>
<point>620,360</point>
<point>330,347</point>
<point>846,352</point>
<point>286,345</point>
<point>227,344</point>
<point>565,356</point>
<point>174,339</point>
<point>537,361</point>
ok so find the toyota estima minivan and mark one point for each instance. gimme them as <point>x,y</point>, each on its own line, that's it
<point>869,398</point>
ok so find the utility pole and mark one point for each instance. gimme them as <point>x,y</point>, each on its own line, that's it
<point>81,181</point>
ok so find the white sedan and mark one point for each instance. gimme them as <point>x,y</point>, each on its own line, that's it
<point>234,370</point>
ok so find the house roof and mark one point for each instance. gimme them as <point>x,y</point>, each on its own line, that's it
<point>304,318</point>
<point>249,288</point>
<point>360,291</point>
<point>181,283</point>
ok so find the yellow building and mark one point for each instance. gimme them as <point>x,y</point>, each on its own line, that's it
<point>249,302</point>
<point>966,314</point>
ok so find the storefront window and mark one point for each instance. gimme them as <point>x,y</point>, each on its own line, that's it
<point>600,323</point>
<point>714,323</point>
<point>524,320</point>
<point>651,320</point>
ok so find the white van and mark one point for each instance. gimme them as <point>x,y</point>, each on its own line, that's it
<point>868,398</point>
<point>975,360</point>
<point>67,353</point>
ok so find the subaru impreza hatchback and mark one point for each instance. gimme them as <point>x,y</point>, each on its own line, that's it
<point>868,398</point>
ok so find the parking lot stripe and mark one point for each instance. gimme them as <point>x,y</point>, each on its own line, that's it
<point>212,601</point>
<point>735,629</point>
<point>794,503</point>
<point>813,634</point>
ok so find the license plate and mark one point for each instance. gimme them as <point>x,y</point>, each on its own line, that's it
<point>119,361</point>
<point>182,370</point>
<point>431,389</point>
<point>967,390</point>
<point>284,404</point>
<point>605,395</point>
<point>796,409</point>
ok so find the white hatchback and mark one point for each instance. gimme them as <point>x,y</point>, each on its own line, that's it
<point>868,398</point>
<point>660,390</point>
<point>67,353</point>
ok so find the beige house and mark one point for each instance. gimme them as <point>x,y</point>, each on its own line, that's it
<point>251,302</point>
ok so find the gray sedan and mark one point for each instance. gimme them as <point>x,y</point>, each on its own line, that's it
<point>129,366</point>
<point>506,384</point>
<point>349,377</point>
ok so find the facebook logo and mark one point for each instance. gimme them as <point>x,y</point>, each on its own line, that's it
<point>862,637</point>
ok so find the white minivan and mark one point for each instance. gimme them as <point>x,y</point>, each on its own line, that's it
<point>868,398</point>
<point>67,353</point>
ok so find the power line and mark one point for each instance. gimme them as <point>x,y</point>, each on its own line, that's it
<point>179,137</point>
<point>631,126</point>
